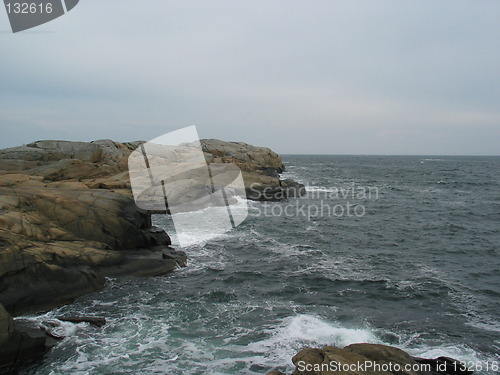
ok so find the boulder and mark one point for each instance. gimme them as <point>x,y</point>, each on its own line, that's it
<point>369,359</point>
<point>247,157</point>
<point>47,151</point>
<point>95,321</point>
<point>68,219</point>
<point>260,168</point>
<point>21,341</point>
<point>179,256</point>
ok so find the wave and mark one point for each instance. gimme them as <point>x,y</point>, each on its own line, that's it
<point>198,234</point>
<point>139,342</point>
<point>304,329</point>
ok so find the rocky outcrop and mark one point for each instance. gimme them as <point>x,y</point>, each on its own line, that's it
<point>369,359</point>
<point>68,219</point>
<point>23,340</point>
<point>57,244</point>
<point>20,341</point>
<point>92,320</point>
<point>260,168</point>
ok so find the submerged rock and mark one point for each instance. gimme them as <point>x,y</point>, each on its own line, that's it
<point>95,321</point>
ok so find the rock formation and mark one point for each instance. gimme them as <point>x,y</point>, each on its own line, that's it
<point>62,230</point>
<point>68,219</point>
<point>369,359</point>
<point>20,341</point>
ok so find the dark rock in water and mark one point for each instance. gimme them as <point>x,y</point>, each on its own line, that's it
<point>6,325</point>
<point>21,341</point>
<point>444,366</point>
<point>275,372</point>
<point>68,220</point>
<point>368,359</point>
<point>293,188</point>
<point>95,321</point>
<point>260,168</point>
<point>179,256</point>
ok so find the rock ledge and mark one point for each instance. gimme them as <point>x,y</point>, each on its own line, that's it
<point>369,359</point>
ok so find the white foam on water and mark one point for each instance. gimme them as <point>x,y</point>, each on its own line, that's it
<point>293,175</point>
<point>141,343</point>
<point>299,331</point>
<point>492,326</point>
<point>288,174</point>
<point>304,330</point>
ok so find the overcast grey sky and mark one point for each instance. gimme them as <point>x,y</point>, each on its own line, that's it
<point>312,76</point>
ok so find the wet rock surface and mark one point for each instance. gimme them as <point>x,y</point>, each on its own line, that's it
<point>260,168</point>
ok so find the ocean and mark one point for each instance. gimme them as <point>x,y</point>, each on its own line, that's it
<point>399,250</point>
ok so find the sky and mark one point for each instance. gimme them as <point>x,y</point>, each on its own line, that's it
<point>310,76</point>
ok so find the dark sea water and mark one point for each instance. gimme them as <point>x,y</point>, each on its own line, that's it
<point>416,264</point>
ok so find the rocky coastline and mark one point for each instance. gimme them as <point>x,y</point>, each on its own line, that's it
<point>69,221</point>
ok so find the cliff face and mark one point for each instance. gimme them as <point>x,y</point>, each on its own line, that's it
<point>68,219</point>
<point>20,342</point>
<point>260,168</point>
